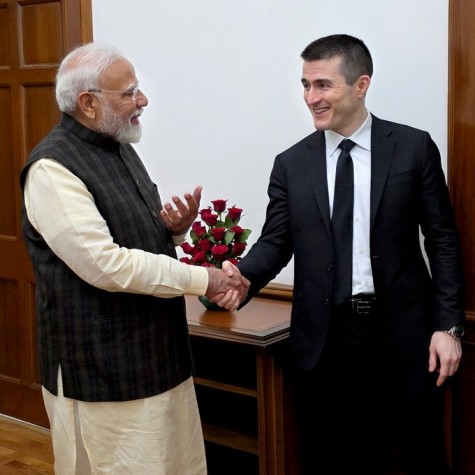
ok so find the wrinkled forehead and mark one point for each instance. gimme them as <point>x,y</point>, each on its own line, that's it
<point>120,75</point>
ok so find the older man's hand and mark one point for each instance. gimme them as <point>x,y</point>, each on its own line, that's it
<point>227,287</point>
<point>178,220</point>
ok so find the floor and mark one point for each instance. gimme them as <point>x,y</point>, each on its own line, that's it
<point>24,448</point>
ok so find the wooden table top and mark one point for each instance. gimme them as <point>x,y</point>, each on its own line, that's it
<point>261,322</point>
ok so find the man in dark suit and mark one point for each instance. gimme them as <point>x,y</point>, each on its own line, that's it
<point>374,334</point>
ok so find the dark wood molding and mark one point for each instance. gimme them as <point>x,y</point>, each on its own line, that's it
<point>277,292</point>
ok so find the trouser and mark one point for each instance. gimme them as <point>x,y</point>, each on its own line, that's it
<point>159,435</point>
<point>360,412</point>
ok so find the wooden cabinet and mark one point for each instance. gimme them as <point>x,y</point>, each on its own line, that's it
<point>245,407</point>
<point>463,408</point>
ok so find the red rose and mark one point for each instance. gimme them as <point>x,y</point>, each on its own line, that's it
<point>185,260</point>
<point>199,257</point>
<point>205,211</point>
<point>232,260</point>
<point>219,251</point>
<point>204,245</point>
<point>210,219</point>
<point>237,230</point>
<point>238,248</point>
<point>218,233</point>
<point>219,205</point>
<point>187,248</point>
<point>234,213</point>
<point>198,229</point>
<point>195,251</point>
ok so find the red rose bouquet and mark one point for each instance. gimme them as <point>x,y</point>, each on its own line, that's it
<point>218,239</point>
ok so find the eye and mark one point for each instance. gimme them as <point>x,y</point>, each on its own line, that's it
<point>132,93</point>
<point>323,85</point>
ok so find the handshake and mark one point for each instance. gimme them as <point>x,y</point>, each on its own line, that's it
<point>227,287</point>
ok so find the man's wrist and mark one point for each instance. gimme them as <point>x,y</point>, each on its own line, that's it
<point>456,332</point>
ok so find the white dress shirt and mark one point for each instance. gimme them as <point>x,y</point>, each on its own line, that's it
<point>361,155</point>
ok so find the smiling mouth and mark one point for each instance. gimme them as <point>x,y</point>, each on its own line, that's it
<point>136,117</point>
<point>319,110</point>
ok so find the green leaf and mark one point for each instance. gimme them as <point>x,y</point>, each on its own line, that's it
<point>230,223</point>
<point>228,236</point>
<point>244,235</point>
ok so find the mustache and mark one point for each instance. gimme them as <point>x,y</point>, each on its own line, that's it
<point>138,112</point>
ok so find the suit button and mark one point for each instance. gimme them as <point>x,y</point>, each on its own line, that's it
<point>327,301</point>
<point>330,267</point>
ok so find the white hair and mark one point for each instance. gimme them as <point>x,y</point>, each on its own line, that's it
<point>80,70</point>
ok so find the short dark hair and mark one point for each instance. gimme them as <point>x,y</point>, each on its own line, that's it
<point>355,56</point>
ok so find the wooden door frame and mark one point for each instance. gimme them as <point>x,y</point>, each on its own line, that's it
<point>461,181</point>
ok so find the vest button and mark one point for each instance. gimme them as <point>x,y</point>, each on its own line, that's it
<point>154,213</point>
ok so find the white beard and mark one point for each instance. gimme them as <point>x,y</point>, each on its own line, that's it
<point>120,129</point>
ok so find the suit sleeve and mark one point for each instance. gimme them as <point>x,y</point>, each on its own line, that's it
<point>273,250</point>
<point>441,240</point>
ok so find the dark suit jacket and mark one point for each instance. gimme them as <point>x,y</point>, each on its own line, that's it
<point>408,193</point>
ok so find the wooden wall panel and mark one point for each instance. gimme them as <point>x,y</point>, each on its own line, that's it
<point>41,112</point>
<point>41,33</point>
<point>3,36</point>
<point>9,309</point>
<point>7,188</point>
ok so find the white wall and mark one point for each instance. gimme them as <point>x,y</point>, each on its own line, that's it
<point>223,81</point>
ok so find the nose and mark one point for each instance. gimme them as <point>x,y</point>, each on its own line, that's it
<point>312,96</point>
<point>142,99</point>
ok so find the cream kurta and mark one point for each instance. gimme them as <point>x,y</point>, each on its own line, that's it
<point>62,210</point>
<point>158,435</point>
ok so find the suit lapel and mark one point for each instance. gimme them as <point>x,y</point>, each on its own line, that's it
<point>316,163</point>
<point>382,152</point>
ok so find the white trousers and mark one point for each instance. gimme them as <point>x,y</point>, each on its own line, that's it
<point>160,435</point>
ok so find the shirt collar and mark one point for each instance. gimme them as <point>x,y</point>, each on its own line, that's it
<point>362,137</point>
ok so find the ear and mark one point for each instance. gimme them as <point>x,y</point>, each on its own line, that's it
<point>363,85</point>
<point>87,104</point>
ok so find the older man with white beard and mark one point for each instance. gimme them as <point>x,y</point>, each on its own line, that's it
<point>113,344</point>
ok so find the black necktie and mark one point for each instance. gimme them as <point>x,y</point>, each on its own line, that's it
<point>342,223</point>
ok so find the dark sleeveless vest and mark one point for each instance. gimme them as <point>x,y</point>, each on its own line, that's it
<point>112,346</point>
